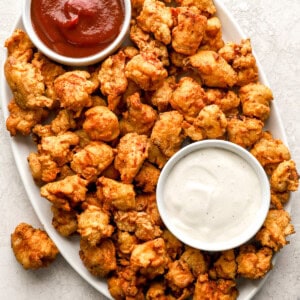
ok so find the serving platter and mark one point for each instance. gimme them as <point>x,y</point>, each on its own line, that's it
<point>69,247</point>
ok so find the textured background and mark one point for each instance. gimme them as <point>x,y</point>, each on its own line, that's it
<point>274,29</point>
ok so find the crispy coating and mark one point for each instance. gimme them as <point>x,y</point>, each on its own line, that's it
<point>255,99</point>
<point>146,229</point>
<point>206,7</point>
<point>167,132</point>
<point>240,57</point>
<point>125,220</point>
<point>156,156</point>
<point>254,263</point>
<point>212,39</point>
<point>146,70</point>
<point>156,18</point>
<point>119,195</point>
<point>189,29</point>
<point>125,242</point>
<point>147,177</point>
<point>99,259</point>
<point>132,152</point>
<point>244,131</point>
<point>275,229</point>
<point>90,161</point>
<point>65,222</point>
<point>23,120</point>
<point>278,200</point>
<point>94,225</point>
<point>212,68</point>
<point>65,193</point>
<point>285,177</point>
<point>32,247</point>
<point>221,289</point>
<point>139,117</point>
<point>74,89</point>
<point>188,98</point>
<point>174,247</point>
<point>101,124</point>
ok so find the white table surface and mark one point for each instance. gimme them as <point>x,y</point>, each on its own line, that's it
<point>274,29</point>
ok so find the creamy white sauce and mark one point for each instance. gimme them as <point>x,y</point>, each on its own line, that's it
<point>212,195</point>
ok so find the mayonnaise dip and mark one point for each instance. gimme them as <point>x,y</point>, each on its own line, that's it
<point>211,195</point>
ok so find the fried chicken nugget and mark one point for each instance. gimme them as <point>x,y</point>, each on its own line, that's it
<point>146,70</point>
<point>132,151</point>
<point>189,29</point>
<point>32,247</point>
<point>66,193</point>
<point>285,177</point>
<point>147,177</point>
<point>157,18</point>
<point>212,68</point>
<point>255,99</point>
<point>90,161</point>
<point>275,229</point>
<point>254,263</point>
<point>167,132</point>
<point>214,289</point>
<point>94,225</point>
<point>278,200</point>
<point>99,259</point>
<point>101,124</point>
<point>206,7</point>
<point>23,120</point>
<point>174,247</point>
<point>212,39</point>
<point>125,242</point>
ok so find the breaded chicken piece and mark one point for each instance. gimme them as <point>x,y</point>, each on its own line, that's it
<point>244,131</point>
<point>146,229</point>
<point>23,120</point>
<point>167,132</point>
<point>212,39</point>
<point>195,133</point>
<point>90,161</point>
<point>113,81</point>
<point>188,98</point>
<point>156,18</point>
<point>147,177</point>
<point>65,222</point>
<point>99,259</point>
<point>275,229</point>
<point>101,124</point>
<point>117,194</point>
<point>188,30</point>
<point>212,68</point>
<point>278,200</point>
<point>156,156</point>
<point>215,289</point>
<point>254,263</point>
<point>126,220</point>
<point>206,7</point>
<point>74,89</point>
<point>146,70</point>
<point>32,247</point>
<point>240,57</point>
<point>285,177</point>
<point>157,291</point>
<point>132,151</point>
<point>255,99</point>
<point>59,147</point>
<point>125,242</point>
<point>66,193</point>
<point>138,118</point>
<point>94,225</point>
<point>174,247</point>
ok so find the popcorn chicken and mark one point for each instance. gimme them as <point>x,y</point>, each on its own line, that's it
<point>206,7</point>
<point>278,200</point>
<point>212,39</point>
<point>32,247</point>
<point>147,177</point>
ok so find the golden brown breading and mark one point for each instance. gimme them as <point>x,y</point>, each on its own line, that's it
<point>99,259</point>
<point>212,68</point>
<point>147,177</point>
<point>66,193</point>
<point>94,225</point>
<point>32,247</point>
<point>244,131</point>
<point>146,70</point>
<point>275,229</point>
<point>174,247</point>
<point>188,98</point>
<point>125,220</point>
<point>278,200</point>
<point>91,160</point>
<point>125,242</point>
<point>188,30</point>
<point>156,156</point>
<point>254,263</point>
<point>285,177</point>
<point>101,124</point>
<point>156,18</point>
<point>23,120</point>
<point>132,151</point>
<point>146,229</point>
<point>206,7</point>
<point>220,289</point>
<point>167,132</point>
<point>212,39</point>
<point>255,99</point>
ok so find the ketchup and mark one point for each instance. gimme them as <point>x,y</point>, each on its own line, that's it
<point>77,28</point>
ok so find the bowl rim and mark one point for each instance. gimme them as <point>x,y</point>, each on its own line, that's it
<point>259,217</point>
<point>73,61</point>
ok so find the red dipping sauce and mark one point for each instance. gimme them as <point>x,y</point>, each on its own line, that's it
<point>77,28</point>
